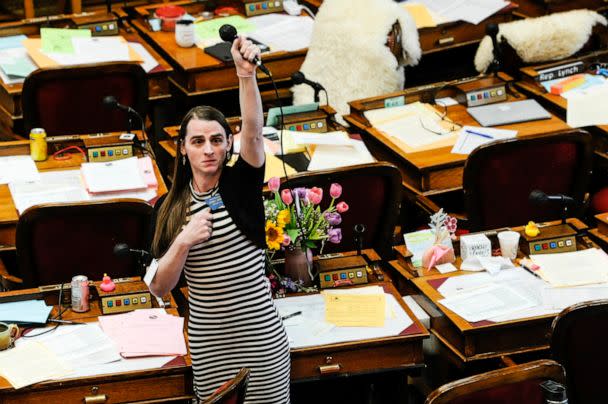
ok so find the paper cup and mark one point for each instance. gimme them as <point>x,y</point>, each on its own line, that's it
<point>509,244</point>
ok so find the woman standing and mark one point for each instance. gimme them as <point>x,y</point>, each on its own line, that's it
<point>211,226</point>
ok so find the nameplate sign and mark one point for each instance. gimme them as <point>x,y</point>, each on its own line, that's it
<point>559,72</point>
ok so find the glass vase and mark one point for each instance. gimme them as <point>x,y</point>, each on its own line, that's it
<point>298,265</point>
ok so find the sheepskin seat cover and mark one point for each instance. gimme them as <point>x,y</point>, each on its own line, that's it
<point>348,55</point>
<point>551,37</point>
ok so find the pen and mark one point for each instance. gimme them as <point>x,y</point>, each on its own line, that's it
<point>479,134</point>
<point>56,320</point>
<point>297,313</point>
<point>529,266</point>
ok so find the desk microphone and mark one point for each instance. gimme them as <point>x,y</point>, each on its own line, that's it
<point>299,78</point>
<point>228,33</point>
<point>123,250</point>
<point>539,197</point>
<point>111,102</point>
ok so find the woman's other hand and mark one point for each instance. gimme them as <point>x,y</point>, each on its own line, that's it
<point>243,52</point>
<point>198,228</point>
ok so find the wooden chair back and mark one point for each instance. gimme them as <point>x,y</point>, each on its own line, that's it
<point>233,391</point>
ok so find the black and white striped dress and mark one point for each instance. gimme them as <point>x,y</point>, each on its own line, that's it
<point>233,321</point>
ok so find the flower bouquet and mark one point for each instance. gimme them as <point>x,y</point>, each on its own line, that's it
<point>296,224</point>
<point>444,227</point>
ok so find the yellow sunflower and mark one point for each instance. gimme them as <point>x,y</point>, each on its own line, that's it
<point>274,235</point>
<point>283,218</point>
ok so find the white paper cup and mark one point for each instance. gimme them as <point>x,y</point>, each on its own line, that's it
<point>509,243</point>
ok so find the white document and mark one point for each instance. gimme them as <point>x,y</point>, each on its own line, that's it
<point>313,330</point>
<point>588,107</point>
<point>471,137</point>
<point>149,62</point>
<point>583,267</point>
<point>15,169</point>
<point>490,264</point>
<point>29,363</point>
<point>27,311</point>
<point>327,157</point>
<point>487,302</point>
<point>473,11</point>
<point>290,34</point>
<point>113,176</point>
<point>94,50</point>
<point>560,298</point>
<point>80,345</point>
<point>337,138</point>
<point>457,284</point>
<point>446,268</point>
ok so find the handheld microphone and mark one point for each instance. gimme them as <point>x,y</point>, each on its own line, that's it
<point>228,33</point>
<point>539,197</point>
<point>300,78</point>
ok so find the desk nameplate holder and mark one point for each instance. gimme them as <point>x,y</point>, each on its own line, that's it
<point>551,239</point>
<point>563,68</point>
<point>342,271</point>
<point>126,297</point>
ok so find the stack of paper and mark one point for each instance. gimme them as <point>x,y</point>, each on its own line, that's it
<point>145,332</point>
<point>14,169</point>
<point>113,176</point>
<point>15,64</point>
<point>31,363</point>
<point>584,267</point>
<point>326,157</point>
<point>471,137</point>
<point>27,311</point>
<point>473,11</point>
<point>288,33</point>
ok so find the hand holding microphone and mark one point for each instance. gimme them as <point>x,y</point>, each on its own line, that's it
<point>245,54</point>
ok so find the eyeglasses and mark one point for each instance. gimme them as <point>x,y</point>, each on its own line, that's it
<point>442,127</point>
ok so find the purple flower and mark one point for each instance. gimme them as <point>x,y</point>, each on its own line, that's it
<point>334,235</point>
<point>333,218</point>
<point>301,192</point>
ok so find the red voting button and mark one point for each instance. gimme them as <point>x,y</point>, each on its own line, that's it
<point>545,246</point>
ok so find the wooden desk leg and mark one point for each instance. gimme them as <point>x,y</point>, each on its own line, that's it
<point>28,6</point>
<point>76,6</point>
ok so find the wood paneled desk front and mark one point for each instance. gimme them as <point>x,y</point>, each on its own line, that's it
<point>9,216</point>
<point>469,342</point>
<point>433,170</point>
<point>11,117</point>
<point>172,382</point>
<point>197,73</point>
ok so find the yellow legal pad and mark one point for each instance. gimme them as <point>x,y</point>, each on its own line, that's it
<point>355,310</point>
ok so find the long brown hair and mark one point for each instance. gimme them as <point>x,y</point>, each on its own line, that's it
<point>172,214</point>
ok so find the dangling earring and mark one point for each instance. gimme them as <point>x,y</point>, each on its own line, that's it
<point>183,160</point>
<point>228,155</point>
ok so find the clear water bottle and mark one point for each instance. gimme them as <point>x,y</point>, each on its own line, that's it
<point>554,393</point>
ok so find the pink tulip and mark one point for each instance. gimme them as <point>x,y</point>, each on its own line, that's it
<point>335,190</point>
<point>274,183</point>
<point>286,196</point>
<point>342,207</point>
<point>286,240</point>
<point>315,194</point>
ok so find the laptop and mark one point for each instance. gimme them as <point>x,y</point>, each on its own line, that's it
<point>504,113</point>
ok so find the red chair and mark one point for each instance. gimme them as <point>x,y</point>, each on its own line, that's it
<point>577,342</point>
<point>233,391</point>
<point>499,176</point>
<point>57,241</point>
<point>373,193</point>
<point>518,384</point>
<point>68,100</point>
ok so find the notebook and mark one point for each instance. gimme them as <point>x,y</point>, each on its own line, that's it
<point>504,113</point>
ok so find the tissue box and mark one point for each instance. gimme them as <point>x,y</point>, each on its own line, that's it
<point>477,245</point>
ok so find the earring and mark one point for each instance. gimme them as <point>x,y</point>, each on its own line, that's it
<point>228,155</point>
<point>183,160</point>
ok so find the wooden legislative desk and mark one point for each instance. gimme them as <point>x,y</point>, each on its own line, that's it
<point>11,113</point>
<point>437,170</point>
<point>8,213</point>
<point>171,382</point>
<point>197,73</point>
<point>536,8</point>
<point>468,342</point>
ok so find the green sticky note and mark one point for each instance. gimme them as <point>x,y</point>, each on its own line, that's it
<point>59,40</point>
<point>209,29</point>
<point>394,101</point>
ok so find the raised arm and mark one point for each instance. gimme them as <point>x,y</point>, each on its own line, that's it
<point>252,145</point>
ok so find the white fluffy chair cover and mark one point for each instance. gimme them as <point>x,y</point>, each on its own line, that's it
<point>348,55</point>
<point>551,37</point>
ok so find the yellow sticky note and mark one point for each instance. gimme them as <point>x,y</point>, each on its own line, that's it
<point>274,167</point>
<point>361,310</point>
<point>420,14</point>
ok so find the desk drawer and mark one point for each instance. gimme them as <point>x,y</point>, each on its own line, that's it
<point>456,34</point>
<point>150,388</point>
<point>305,365</point>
